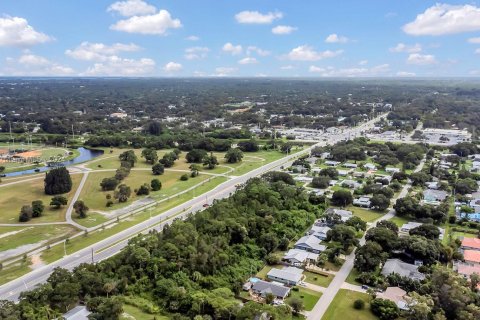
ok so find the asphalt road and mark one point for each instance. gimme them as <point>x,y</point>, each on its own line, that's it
<point>112,245</point>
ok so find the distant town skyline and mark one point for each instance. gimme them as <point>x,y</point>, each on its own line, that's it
<point>207,38</point>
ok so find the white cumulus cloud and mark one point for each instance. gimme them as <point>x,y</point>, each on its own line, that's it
<point>16,32</point>
<point>192,38</point>
<point>474,40</point>
<point>131,8</point>
<point>335,38</point>
<point>380,70</point>
<point>281,30</point>
<point>442,19</point>
<point>224,71</point>
<point>402,47</point>
<point>248,60</point>
<point>257,50</point>
<point>172,67</point>
<point>156,24</point>
<point>307,53</point>
<point>406,74</point>
<point>421,59</point>
<point>89,51</point>
<point>117,66</point>
<point>255,17</point>
<point>29,64</point>
<point>196,53</point>
<point>233,49</point>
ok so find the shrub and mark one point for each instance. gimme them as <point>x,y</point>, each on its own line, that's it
<point>184,177</point>
<point>359,304</point>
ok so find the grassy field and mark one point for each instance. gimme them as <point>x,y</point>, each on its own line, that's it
<point>318,279</point>
<point>134,313</point>
<point>16,195</point>
<point>262,274</point>
<point>365,214</point>
<point>78,243</point>
<point>309,297</point>
<point>12,272</point>
<point>351,277</point>
<point>342,307</point>
<point>399,221</point>
<point>13,237</point>
<point>95,198</point>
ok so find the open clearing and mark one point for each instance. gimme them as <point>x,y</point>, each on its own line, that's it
<point>16,195</point>
<point>96,200</point>
<point>342,307</point>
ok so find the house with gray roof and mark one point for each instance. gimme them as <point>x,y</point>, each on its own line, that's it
<point>402,268</point>
<point>344,214</point>
<point>319,231</point>
<point>297,257</point>
<point>310,243</point>
<point>291,276</point>
<point>263,288</point>
<point>432,196</point>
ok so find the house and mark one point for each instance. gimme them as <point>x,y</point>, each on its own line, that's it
<point>263,288</point>
<point>319,231</point>
<point>350,165</point>
<point>434,196</point>
<point>396,295</point>
<point>332,183</point>
<point>467,270</point>
<point>325,155</point>
<point>309,243</point>
<point>402,268</point>
<point>344,214</point>
<point>303,179</point>
<point>331,163</point>
<point>392,169</point>
<point>118,115</point>
<point>342,173</point>
<point>291,276</point>
<point>470,244</point>
<point>471,257</point>
<point>433,185</point>
<point>77,313</point>
<point>370,166</point>
<point>406,227</point>
<point>298,257</point>
<point>351,184</point>
<point>362,202</point>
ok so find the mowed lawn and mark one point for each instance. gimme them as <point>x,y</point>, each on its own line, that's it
<point>318,279</point>
<point>13,197</point>
<point>365,214</point>
<point>95,198</point>
<point>342,307</point>
<point>251,161</point>
<point>133,313</point>
<point>308,296</point>
<point>14,237</point>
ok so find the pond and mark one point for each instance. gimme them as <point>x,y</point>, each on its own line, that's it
<point>85,155</point>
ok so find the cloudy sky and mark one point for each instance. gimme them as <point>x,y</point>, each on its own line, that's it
<point>213,38</point>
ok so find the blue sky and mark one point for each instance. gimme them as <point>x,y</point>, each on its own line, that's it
<point>374,38</point>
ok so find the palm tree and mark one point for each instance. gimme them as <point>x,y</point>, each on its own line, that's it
<point>109,287</point>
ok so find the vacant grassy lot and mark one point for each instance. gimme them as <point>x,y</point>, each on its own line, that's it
<point>309,297</point>
<point>13,197</point>
<point>134,313</point>
<point>365,214</point>
<point>14,237</point>
<point>399,221</point>
<point>318,279</point>
<point>95,198</point>
<point>342,307</point>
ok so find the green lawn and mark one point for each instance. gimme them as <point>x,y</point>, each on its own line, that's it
<point>14,237</point>
<point>13,197</point>
<point>399,221</point>
<point>351,277</point>
<point>318,279</point>
<point>342,307</point>
<point>95,198</point>
<point>309,297</point>
<point>12,272</point>
<point>365,214</point>
<point>133,313</point>
<point>262,274</point>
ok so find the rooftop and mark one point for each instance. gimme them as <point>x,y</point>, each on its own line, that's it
<point>471,255</point>
<point>471,243</point>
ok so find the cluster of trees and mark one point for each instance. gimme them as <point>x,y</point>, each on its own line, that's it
<point>201,156</point>
<point>35,210</point>
<point>193,267</point>
<point>58,181</point>
<point>411,208</point>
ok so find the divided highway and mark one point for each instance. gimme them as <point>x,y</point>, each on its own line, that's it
<point>112,245</point>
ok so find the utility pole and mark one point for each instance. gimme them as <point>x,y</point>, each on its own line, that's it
<point>65,247</point>
<point>73,133</point>
<point>92,255</point>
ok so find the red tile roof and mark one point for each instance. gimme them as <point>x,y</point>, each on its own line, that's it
<point>471,256</point>
<point>471,243</point>
<point>468,270</point>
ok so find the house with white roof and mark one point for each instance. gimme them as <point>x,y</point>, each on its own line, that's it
<point>297,257</point>
<point>290,276</point>
<point>392,169</point>
<point>310,243</point>
<point>331,163</point>
<point>364,202</point>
